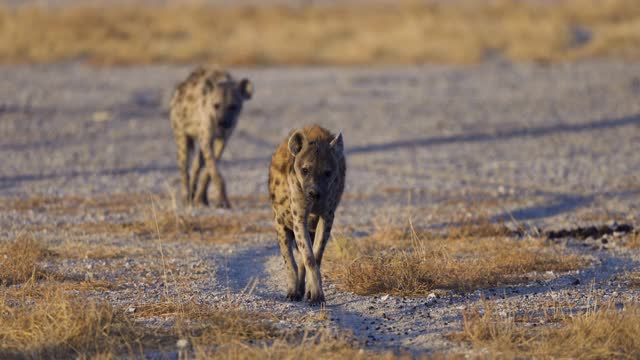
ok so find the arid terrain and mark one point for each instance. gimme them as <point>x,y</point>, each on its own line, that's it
<point>442,244</point>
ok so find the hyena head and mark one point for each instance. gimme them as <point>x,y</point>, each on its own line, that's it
<point>223,100</point>
<point>315,165</point>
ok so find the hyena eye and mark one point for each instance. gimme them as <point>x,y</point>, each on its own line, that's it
<point>216,106</point>
<point>327,173</point>
<point>304,171</point>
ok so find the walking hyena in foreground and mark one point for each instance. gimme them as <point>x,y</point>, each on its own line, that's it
<point>306,180</point>
<point>204,111</point>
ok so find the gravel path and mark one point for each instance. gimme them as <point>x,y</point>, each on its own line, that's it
<point>554,145</point>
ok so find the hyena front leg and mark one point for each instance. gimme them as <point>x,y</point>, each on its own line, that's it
<point>185,147</point>
<point>202,185</point>
<point>204,179</point>
<point>302,272</point>
<point>303,241</point>
<point>194,179</point>
<point>323,232</point>
<point>212,168</point>
<point>285,240</point>
<point>218,147</point>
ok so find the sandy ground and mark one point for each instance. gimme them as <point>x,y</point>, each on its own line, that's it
<point>551,146</point>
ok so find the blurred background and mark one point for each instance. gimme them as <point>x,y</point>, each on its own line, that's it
<point>320,32</point>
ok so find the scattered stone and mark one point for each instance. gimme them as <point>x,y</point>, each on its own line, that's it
<point>101,116</point>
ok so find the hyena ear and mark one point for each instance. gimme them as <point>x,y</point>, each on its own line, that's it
<point>246,88</point>
<point>337,144</point>
<point>207,87</point>
<point>295,142</point>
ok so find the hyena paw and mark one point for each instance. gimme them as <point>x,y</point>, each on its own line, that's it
<point>293,295</point>
<point>223,204</point>
<point>315,298</point>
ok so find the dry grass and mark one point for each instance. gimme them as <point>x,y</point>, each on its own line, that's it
<point>320,346</point>
<point>410,263</point>
<point>75,205</point>
<point>19,259</point>
<point>345,34</point>
<point>633,240</point>
<point>44,321</point>
<point>218,228</point>
<point>57,325</point>
<point>599,333</point>
<point>81,250</point>
<point>631,279</point>
<point>159,217</point>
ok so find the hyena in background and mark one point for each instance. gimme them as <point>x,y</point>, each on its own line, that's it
<point>204,112</point>
<point>306,181</point>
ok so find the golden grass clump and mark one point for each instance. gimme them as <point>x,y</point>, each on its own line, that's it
<point>160,218</point>
<point>209,228</point>
<point>602,332</point>
<point>407,32</point>
<point>19,259</point>
<point>633,240</point>
<point>409,263</point>
<point>323,345</point>
<point>57,325</point>
<point>46,321</point>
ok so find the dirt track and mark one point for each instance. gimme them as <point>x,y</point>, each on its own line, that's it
<point>551,146</point>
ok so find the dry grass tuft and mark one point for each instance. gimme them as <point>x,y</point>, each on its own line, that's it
<point>57,325</point>
<point>631,279</point>
<point>599,333</point>
<point>323,345</point>
<point>158,218</point>
<point>409,263</point>
<point>219,229</point>
<point>82,250</point>
<point>46,321</point>
<point>340,34</point>
<point>73,205</point>
<point>19,259</point>
<point>633,240</point>
<point>211,325</point>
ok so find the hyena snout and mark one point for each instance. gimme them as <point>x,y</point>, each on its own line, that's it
<point>314,193</point>
<point>225,123</point>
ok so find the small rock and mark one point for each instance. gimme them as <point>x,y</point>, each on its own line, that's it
<point>182,343</point>
<point>101,116</point>
<point>615,294</point>
<point>131,310</point>
<point>385,298</point>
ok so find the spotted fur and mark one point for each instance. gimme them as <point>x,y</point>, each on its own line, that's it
<point>306,181</point>
<point>204,112</point>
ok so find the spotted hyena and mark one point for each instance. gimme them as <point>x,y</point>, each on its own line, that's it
<point>306,180</point>
<point>204,111</point>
